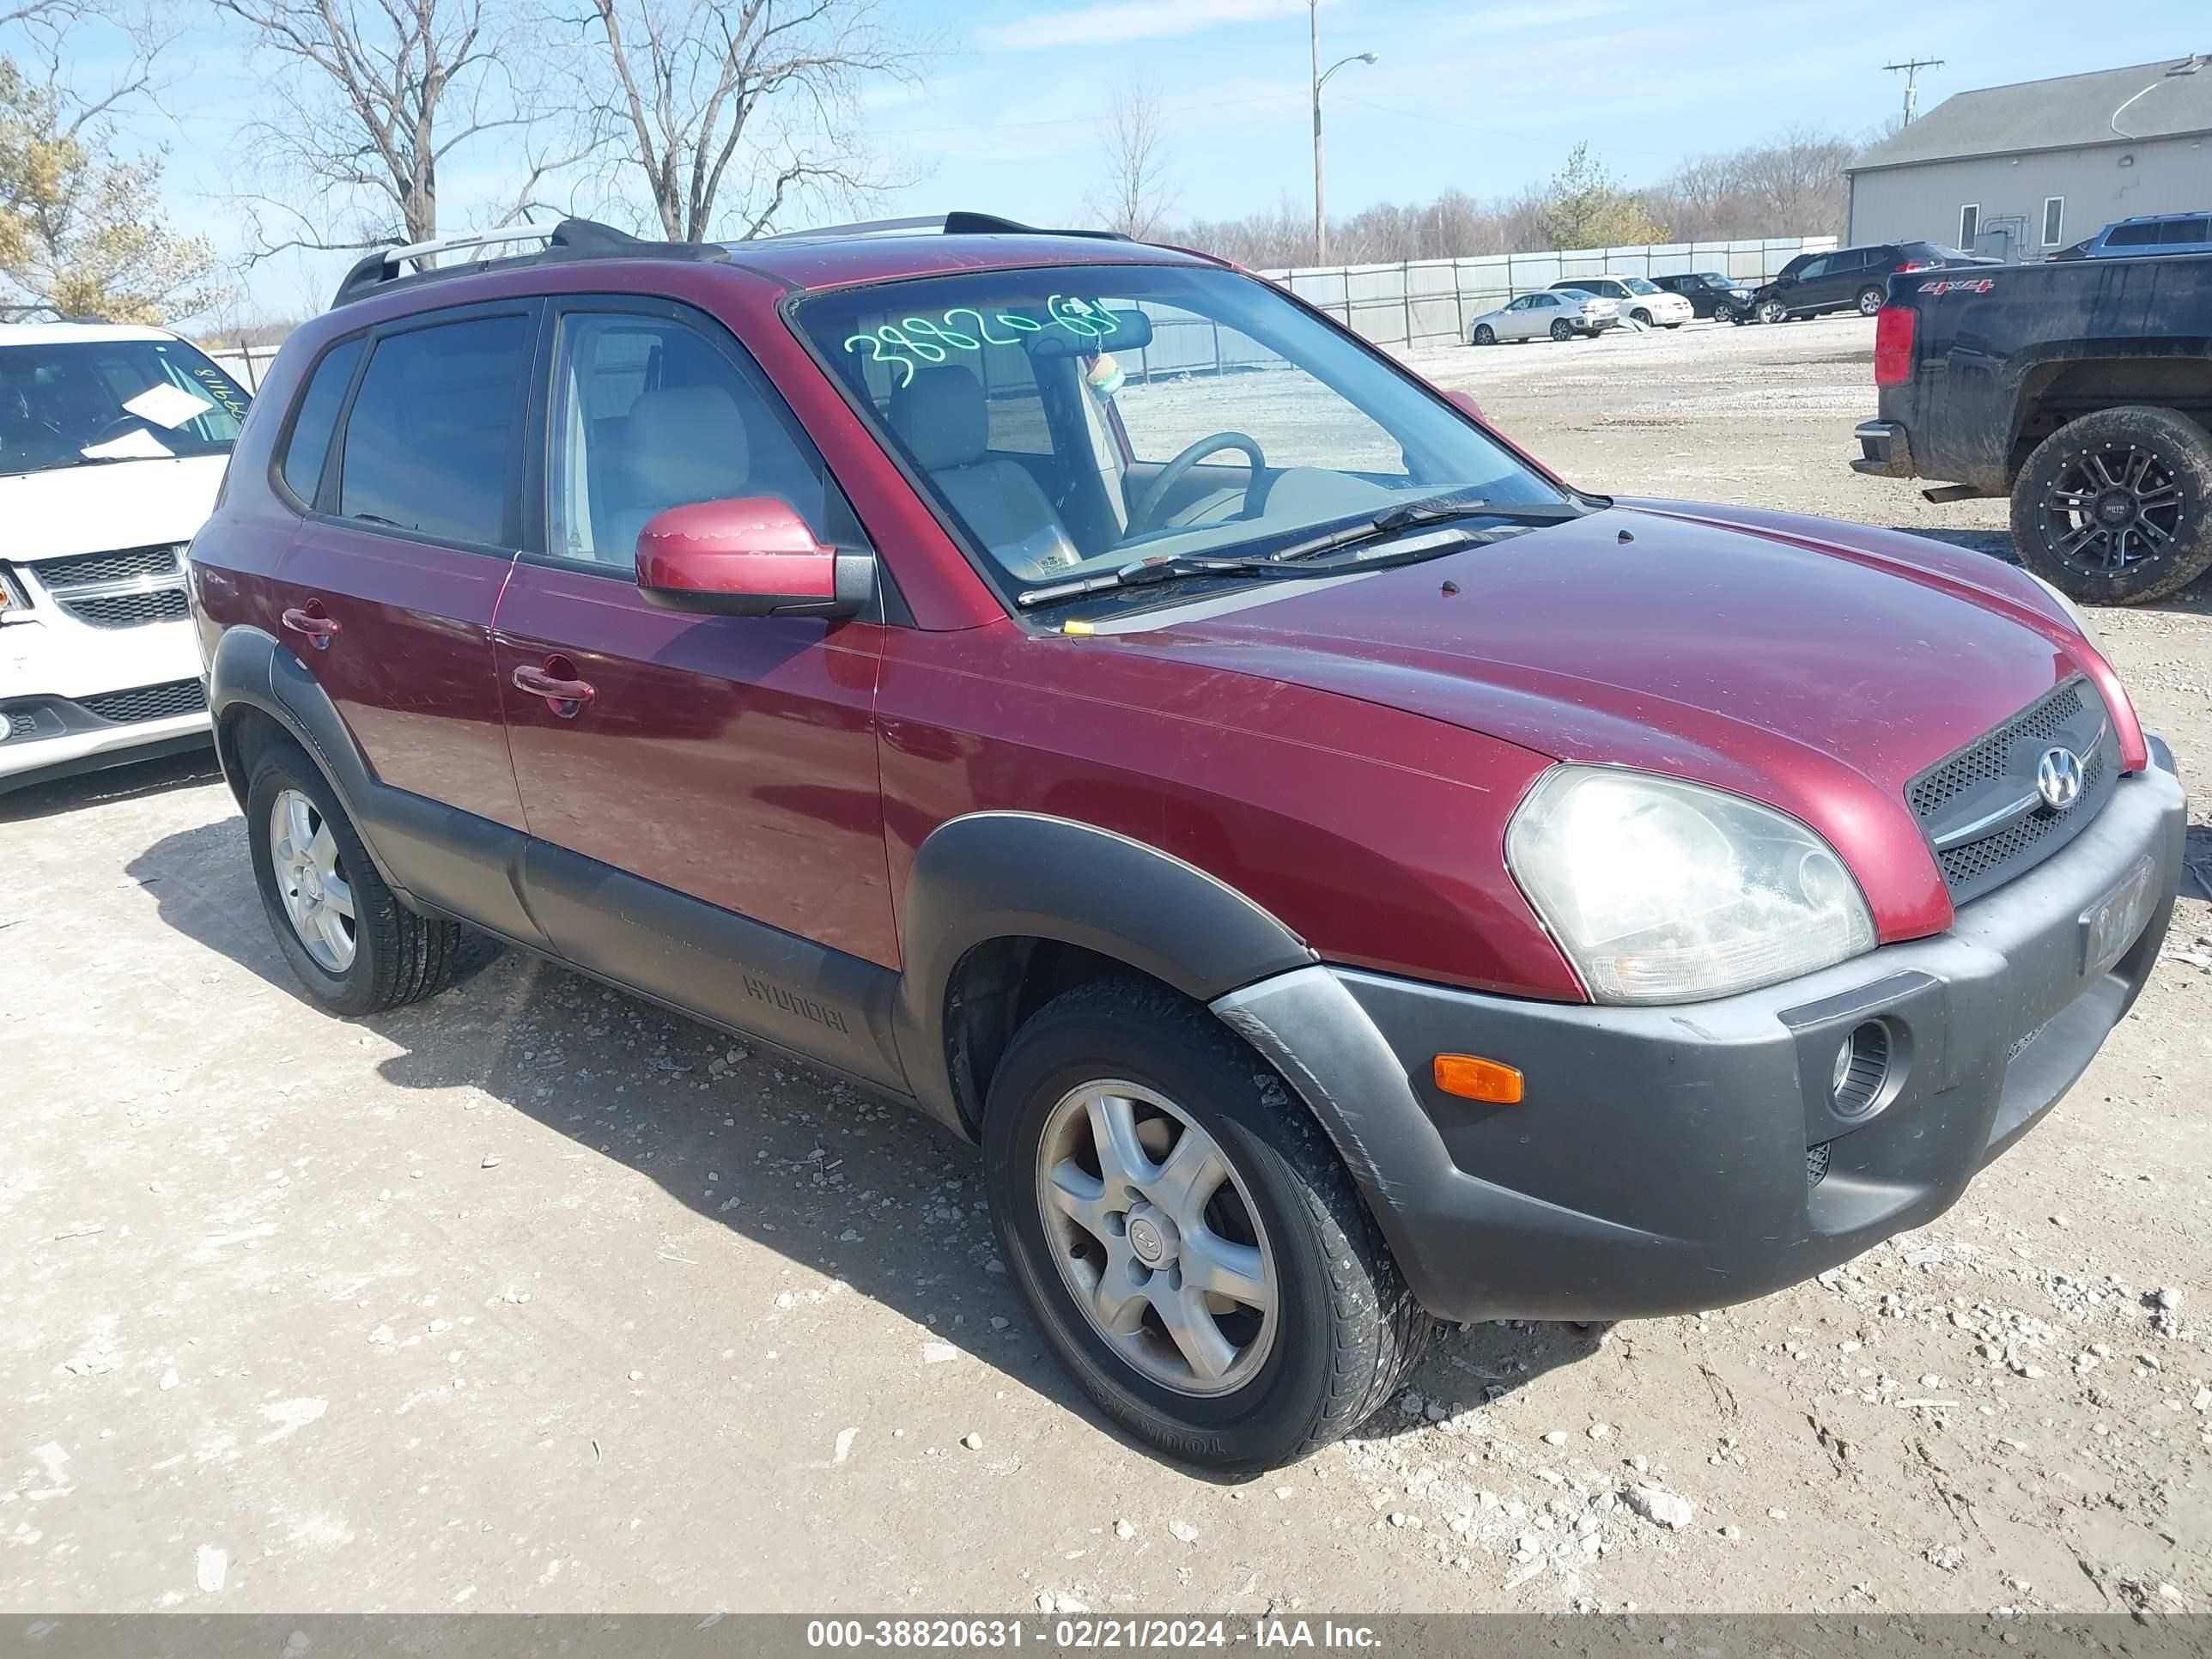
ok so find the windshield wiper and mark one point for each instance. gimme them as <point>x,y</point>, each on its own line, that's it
<point>1438,510</point>
<point>1144,572</point>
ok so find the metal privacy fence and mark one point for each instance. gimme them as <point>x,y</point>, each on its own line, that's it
<point>1420,300</point>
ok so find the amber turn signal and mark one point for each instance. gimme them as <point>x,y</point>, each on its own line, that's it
<point>1473,1078</point>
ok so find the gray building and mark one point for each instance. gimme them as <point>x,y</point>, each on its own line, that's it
<point>2021,170</point>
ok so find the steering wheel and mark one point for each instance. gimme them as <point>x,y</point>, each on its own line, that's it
<point>1155,495</point>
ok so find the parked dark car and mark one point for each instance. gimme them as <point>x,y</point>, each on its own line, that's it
<point>1712,293</point>
<point>1337,872</point>
<point>2150,236</point>
<point>1849,279</point>
<point>2082,388</point>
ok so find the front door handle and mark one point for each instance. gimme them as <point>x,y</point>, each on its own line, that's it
<point>310,619</point>
<point>557,683</point>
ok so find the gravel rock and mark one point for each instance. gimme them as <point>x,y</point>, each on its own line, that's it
<point>1658,1506</point>
<point>1183,1532</point>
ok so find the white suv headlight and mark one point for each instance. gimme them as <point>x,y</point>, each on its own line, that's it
<point>1663,892</point>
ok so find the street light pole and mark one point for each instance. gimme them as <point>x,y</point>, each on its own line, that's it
<point>1320,75</point>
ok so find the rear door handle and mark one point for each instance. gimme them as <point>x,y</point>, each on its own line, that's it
<point>557,683</point>
<point>311,621</point>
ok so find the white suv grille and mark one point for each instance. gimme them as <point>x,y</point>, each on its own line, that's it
<point>125,589</point>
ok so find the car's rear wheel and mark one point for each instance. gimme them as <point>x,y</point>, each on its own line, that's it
<point>1562,329</point>
<point>1871,300</point>
<point>1485,334</point>
<point>2116,508</point>
<point>353,945</point>
<point>1185,1234</point>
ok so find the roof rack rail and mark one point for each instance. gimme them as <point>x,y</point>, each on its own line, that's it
<point>571,239</point>
<point>959,222</point>
<point>22,313</point>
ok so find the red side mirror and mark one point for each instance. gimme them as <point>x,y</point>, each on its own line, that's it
<point>751,557</point>
<point>1464,401</point>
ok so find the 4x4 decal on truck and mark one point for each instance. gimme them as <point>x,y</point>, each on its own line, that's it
<point>1960,285</point>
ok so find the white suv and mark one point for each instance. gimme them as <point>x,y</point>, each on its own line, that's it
<point>112,444</point>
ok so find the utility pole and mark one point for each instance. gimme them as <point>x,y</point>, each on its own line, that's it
<point>1320,75</point>
<point>1911,69</point>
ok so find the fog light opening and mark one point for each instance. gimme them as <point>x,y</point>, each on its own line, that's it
<point>1861,1070</point>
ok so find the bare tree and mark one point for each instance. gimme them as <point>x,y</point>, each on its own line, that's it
<point>1138,191</point>
<point>373,99</point>
<point>752,101</point>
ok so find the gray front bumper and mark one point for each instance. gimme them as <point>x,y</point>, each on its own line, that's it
<point>1659,1161</point>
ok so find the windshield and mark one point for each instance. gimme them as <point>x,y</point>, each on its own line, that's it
<point>1072,420</point>
<point>1639,285</point>
<point>1714,279</point>
<point>81,402</point>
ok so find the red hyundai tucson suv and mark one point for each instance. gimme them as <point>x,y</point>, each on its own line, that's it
<point>1338,873</point>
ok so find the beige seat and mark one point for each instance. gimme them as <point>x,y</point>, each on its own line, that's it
<point>684,444</point>
<point>941,416</point>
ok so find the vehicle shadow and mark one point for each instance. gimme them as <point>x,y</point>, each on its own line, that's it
<point>852,1187</point>
<point>128,782</point>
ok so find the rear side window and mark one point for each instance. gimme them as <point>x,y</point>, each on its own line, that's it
<point>318,418</point>
<point>2131,236</point>
<point>436,429</point>
<point>2178,232</point>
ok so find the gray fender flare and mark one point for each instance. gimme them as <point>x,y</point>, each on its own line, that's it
<point>1000,875</point>
<point>253,668</point>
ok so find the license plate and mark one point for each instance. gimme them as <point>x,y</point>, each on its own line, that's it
<point>2112,924</point>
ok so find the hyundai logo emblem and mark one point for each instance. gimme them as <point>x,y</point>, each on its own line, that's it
<point>2058,778</point>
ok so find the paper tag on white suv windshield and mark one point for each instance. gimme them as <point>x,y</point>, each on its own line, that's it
<point>136,445</point>
<point>167,405</point>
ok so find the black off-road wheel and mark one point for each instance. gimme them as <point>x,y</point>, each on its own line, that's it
<point>355,948</point>
<point>1184,1232</point>
<point>2116,508</point>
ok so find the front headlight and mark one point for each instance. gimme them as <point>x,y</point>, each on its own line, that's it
<point>2073,613</point>
<point>1663,892</point>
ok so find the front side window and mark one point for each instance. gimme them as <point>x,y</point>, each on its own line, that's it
<point>2131,236</point>
<point>1074,419</point>
<point>435,431</point>
<point>1811,269</point>
<point>83,402</point>
<point>649,412</point>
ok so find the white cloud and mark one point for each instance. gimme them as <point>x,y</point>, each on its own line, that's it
<point>1114,22</point>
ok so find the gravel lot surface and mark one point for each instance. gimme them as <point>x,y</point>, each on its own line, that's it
<point>535,1299</point>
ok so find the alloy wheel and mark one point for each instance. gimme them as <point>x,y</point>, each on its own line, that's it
<point>2111,509</point>
<point>1158,1240</point>
<point>1773,311</point>
<point>311,880</point>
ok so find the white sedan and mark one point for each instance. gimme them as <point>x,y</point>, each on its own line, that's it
<point>1561,313</point>
<point>1640,298</point>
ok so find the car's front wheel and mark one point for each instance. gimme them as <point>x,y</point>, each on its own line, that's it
<point>2116,508</point>
<point>1773,311</point>
<point>1485,334</point>
<point>1185,1234</point>
<point>1640,315</point>
<point>353,945</point>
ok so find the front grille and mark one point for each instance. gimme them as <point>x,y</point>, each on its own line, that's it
<point>129,610</point>
<point>1970,805</point>
<point>57,576</point>
<point>148,702</point>
<point>1816,1163</point>
<point>1989,759</point>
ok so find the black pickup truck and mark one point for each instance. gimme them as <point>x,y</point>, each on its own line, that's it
<point>2081,388</point>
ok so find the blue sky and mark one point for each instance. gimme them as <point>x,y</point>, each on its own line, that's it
<point>1005,116</point>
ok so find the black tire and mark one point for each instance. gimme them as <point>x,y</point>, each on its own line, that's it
<point>2049,519</point>
<point>1562,329</point>
<point>1348,1331</point>
<point>1871,300</point>
<point>1773,311</point>
<point>398,957</point>
<point>1640,315</point>
<point>1485,334</point>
